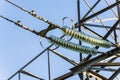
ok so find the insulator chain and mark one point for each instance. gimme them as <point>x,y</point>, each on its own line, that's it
<point>72,46</point>
<point>86,38</point>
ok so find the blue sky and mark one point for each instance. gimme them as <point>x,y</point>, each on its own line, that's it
<point>18,46</point>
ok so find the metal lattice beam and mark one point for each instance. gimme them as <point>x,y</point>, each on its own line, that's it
<point>86,65</point>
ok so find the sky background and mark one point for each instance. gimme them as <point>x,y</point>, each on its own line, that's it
<point>18,46</point>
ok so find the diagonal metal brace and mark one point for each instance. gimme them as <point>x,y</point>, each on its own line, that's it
<point>87,65</point>
<point>115,74</point>
<point>29,74</point>
<point>99,12</point>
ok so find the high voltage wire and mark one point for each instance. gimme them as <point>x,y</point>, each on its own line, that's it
<point>91,40</point>
<point>67,31</point>
<point>58,41</point>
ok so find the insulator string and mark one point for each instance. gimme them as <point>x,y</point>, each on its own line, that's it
<point>86,38</point>
<point>72,22</point>
<point>55,25</point>
<point>72,46</point>
<point>67,31</point>
<point>62,42</point>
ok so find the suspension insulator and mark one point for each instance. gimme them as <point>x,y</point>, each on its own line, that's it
<point>72,46</point>
<point>86,38</point>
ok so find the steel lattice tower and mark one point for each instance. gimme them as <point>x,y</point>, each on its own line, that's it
<point>89,67</point>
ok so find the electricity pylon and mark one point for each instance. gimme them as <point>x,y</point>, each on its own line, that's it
<point>105,47</point>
